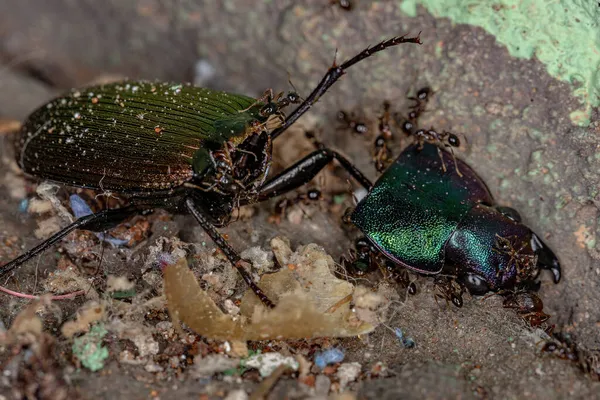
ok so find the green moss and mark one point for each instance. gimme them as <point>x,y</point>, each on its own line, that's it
<point>563,34</point>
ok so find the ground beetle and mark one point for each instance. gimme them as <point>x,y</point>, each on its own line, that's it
<point>176,147</point>
<point>431,213</point>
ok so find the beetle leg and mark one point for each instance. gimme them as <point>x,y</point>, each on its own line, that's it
<point>334,73</point>
<point>229,252</point>
<point>94,222</point>
<point>305,170</point>
<point>546,258</point>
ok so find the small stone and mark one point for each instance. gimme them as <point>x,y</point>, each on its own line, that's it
<point>152,367</point>
<point>322,385</point>
<point>230,307</point>
<point>238,349</point>
<point>238,394</point>
<point>348,372</point>
<point>262,261</point>
<point>268,362</point>
<point>146,345</point>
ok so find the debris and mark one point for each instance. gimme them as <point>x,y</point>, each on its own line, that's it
<point>23,205</point>
<point>27,321</point>
<point>47,191</point>
<point>89,350</point>
<point>69,281</point>
<point>238,349</point>
<point>262,261</point>
<point>81,209</point>
<point>120,287</point>
<point>47,227</point>
<point>281,249</point>
<point>348,372</point>
<point>303,295</point>
<point>153,367</point>
<point>33,371</point>
<point>304,366</point>
<point>268,362</point>
<point>322,385</point>
<point>230,307</point>
<point>329,356</point>
<point>37,206</point>
<point>237,394</point>
<point>261,392</point>
<point>89,313</point>
<point>205,367</point>
<point>371,306</point>
<point>407,342</point>
<point>145,344</point>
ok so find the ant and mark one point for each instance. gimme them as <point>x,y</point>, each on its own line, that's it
<point>382,155</point>
<point>345,5</point>
<point>349,122</point>
<point>441,139</point>
<point>313,195</point>
<point>447,288</point>
<point>528,306</point>
<point>524,264</point>
<point>365,258</point>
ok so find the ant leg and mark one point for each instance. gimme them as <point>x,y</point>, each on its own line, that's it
<point>229,252</point>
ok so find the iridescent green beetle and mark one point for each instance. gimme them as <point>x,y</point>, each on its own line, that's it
<point>177,147</point>
<point>425,215</point>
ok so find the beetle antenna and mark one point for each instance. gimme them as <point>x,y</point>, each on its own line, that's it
<point>335,72</point>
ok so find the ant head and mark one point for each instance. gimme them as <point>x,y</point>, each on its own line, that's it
<point>268,109</point>
<point>361,128</point>
<point>453,140</point>
<point>345,5</point>
<point>293,97</point>
<point>314,194</point>
<point>379,141</point>
<point>423,93</point>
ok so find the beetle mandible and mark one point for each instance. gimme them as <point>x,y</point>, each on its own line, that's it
<point>177,147</point>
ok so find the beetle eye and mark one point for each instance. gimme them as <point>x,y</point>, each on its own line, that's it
<point>476,284</point>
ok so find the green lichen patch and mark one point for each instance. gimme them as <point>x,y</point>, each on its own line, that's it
<point>563,34</point>
<point>89,350</point>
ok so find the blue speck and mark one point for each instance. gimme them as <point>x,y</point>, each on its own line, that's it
<point>109,239</point>
<point>79,206</point>
<point>81,209</point>
<point>23,205</point>
<point>330,356</point>
<point>407,342</point>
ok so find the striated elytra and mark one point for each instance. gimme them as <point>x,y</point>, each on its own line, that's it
<point>172,146</point>
<point>431,219</point>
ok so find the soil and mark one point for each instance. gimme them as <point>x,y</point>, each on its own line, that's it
<point>520,140</point>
